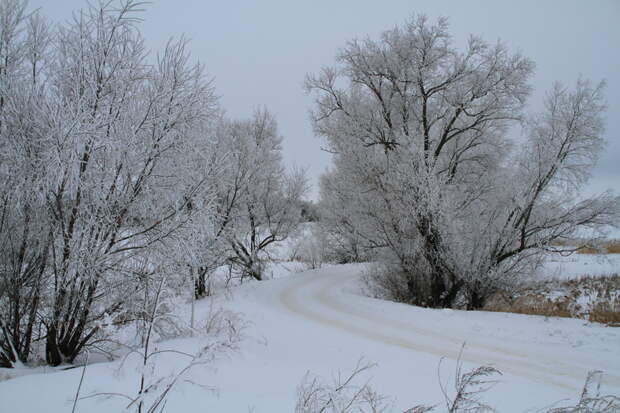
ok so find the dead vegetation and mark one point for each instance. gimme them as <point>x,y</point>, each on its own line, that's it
<point>606,247</point>
<point>347,395</point>
<point>609,246</point>
<point>614,247</point>
<point>596,299</point>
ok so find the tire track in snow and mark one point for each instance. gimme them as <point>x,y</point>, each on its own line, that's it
<point>309,296</point>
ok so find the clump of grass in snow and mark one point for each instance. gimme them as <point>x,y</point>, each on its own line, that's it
<point>594,298</point>
<point>607,247</point>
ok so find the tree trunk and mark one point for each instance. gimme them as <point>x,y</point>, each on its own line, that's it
<point>67,331</point>
<point>439,287</point>
<point>53,355</point>
<point>200,283</point>
<point>7,351</point>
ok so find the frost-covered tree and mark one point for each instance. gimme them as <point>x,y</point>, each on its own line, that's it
<point>117,172</point>
<point>344,229</point>
<point>122,130</point>
<point>25,231</point>
<point>105,152</point>
<point>259,201</point>
<point>426,175</point>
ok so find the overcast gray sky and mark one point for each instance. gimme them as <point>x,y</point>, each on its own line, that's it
<point>259,51</point>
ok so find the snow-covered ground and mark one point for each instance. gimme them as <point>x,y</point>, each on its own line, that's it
<point>318,321</point>
<point>578,265</point>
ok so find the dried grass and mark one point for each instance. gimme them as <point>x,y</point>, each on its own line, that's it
<point>613,247</point>
<point>607,313</point>
<point>591,298</point>
<point>608,247</point>
<point>590,251</point>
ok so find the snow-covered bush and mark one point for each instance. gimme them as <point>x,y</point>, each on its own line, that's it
<point>311,247</point>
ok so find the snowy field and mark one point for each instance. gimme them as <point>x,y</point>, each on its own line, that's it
<point>578,265</point>
<point>317,321</point>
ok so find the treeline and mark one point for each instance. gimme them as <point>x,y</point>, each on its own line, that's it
<point>118,168</point>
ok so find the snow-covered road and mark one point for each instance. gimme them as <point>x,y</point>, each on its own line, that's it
<point>323,298</point>
<point>318,321</point>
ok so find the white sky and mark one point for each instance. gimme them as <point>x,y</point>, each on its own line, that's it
<point>259,51</point>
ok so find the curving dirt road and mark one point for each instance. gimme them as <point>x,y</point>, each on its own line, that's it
<point>515,344</point>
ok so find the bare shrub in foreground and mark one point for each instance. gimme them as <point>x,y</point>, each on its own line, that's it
<point>344,395</point>
<point>468,388</point>
<point>591,400</point>
<point>154,388</point>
